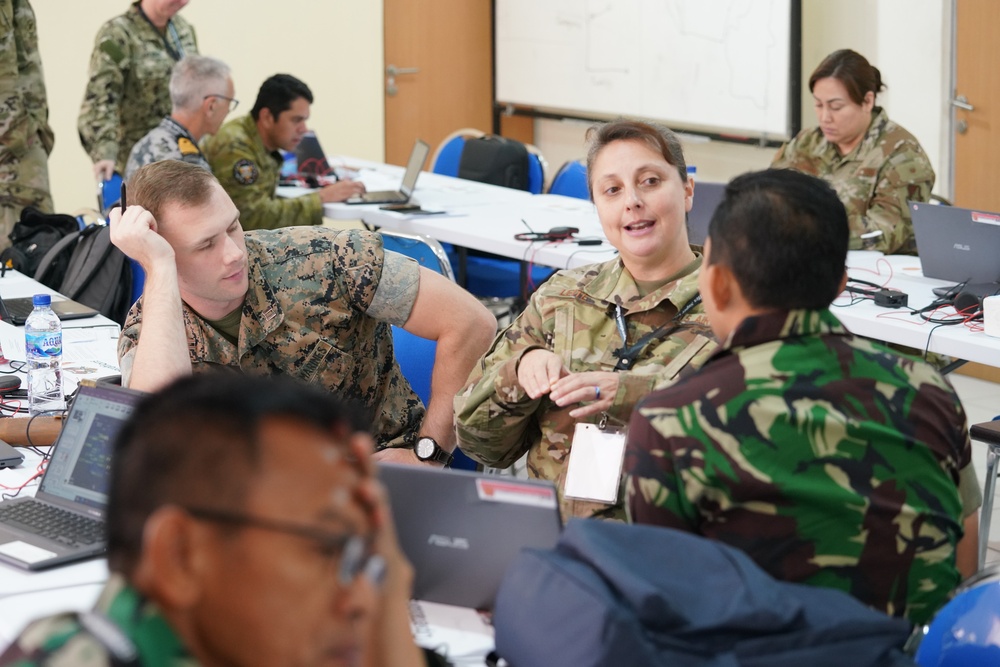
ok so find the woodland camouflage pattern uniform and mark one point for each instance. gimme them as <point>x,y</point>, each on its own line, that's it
<point>249,173</point>
<point>573,315</point>
<point>828,459</point>
<point>167,141</point>
<point>874,181</point>
<point>128,91</point>
<point>25,136</point>
<point>319,308</point>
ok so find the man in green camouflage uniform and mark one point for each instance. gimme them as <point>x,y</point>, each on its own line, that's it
<point>313,303</point>
<point>573,315</point>
<point>874,181</point>
<point>201,94</point>
<point>244,157</point>
<point>25,136</point>
<point>127,94</point>
<point>829,459</point>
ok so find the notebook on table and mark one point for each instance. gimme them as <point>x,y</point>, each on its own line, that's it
<point>16,310</point>
<point>959,245</point>
<point>461,530</point>
<point>413,166</point>
<point>64,522</point>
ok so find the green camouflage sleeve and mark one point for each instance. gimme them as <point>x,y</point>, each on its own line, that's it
<point>906,175</point>
<point>100,112</point>
<point>658,500</point>
<point>24,111</point>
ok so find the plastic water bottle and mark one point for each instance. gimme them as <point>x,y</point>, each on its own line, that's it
<point>43,342</point>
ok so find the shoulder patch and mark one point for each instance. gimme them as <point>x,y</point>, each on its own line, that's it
<point>186,146</point>
<point>245,172</point>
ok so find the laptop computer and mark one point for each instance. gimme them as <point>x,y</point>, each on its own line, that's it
<point>311,158</point>
<point>74,488</point>
<point>959,245</point>
<point>461,530</point>
<point>707,197</point>
<point>413,166</point>
<point>16,310</point>
<point>9,457</point>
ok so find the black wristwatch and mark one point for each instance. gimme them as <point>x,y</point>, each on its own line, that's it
<point>427,449</point>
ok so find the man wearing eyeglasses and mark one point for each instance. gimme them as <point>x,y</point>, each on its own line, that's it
<point>201,95</point>
<point>245,527</point>
<point>245,158</point>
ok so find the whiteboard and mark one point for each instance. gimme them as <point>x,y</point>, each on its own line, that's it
<point>722,65</point>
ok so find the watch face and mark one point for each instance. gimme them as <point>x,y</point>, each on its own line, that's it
<point>424,448</point>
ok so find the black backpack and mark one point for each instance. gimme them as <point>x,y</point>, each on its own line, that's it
<point>496,161</point>
<point>33,236</point>
<point>86,267</point>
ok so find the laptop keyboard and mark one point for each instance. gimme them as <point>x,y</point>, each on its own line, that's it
<point>52,522</point>
<point>19,310</point>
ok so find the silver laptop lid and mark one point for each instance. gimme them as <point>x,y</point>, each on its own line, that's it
<point>957,244</point>
<point>416,162</point>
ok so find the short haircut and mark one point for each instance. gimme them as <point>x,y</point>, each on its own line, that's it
<point>657,137</point>
<point>194,78</point>
<point>195,443</point>
<point>277,93</point>
<point>853,70</point>
<point>159,184</point>
<point>784,235</point>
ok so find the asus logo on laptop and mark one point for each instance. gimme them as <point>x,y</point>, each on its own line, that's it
<point>450,542</point>
<point>962,246</point>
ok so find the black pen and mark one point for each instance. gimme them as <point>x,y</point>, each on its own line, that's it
<point>123,204</point>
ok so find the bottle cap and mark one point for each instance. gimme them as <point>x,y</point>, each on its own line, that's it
<point>41,300</point>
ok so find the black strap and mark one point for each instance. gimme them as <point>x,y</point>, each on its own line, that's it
<point>627,354</point>
<point>176,50</point>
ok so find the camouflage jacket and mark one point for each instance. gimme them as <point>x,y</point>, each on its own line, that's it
<point>250,173</point>
<point>319,308</point>
<point>167,141</point>
<point>874,180</point>
<point>24,111</point>
<point>829,459</point>
<point>127,93</point>
<point>63,639</point>
<point>573,315</point>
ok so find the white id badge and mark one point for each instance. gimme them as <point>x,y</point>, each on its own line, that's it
<point>595,464</point>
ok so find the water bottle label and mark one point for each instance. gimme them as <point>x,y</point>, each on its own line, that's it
<point>44,343</point>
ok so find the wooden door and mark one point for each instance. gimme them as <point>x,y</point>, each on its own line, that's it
<point>977,75</point>
<point>449,43</point>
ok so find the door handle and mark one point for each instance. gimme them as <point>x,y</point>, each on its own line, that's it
<point>962,102</point>
<point>392,72</point>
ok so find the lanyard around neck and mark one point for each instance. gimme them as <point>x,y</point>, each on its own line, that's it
<point>176,50</point>
<point>627,354</point>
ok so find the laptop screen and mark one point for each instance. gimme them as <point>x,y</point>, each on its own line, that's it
<point>80,468</point>
<point>417,157</point>
<point>957,244</point>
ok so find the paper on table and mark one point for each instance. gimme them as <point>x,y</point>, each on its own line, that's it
<point>459,633</point>
<point>90,352</point>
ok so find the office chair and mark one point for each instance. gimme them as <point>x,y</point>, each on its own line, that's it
<point>536,170</point>
<point>571,181</point>
<point>989,433</point>
<point>109,193</point>
<point>449,152</point>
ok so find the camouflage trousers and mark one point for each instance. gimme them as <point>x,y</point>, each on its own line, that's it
<point>24,181</point>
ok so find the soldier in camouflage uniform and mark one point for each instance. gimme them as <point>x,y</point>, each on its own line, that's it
<point>875,165</point>
<point>313,303</point>
<point>296,523</point>
<point>201,94</point>
<point>828,458</point>
<point>561,362</point>
<point>244,157</point>
<point>127,94</point>
<point>25,136</point>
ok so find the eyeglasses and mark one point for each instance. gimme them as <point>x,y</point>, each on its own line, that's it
<point>233,102</point>
<point>352,553</point>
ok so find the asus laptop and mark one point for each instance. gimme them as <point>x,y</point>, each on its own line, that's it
<point>461,530</point>
<point>416,162</point>
<point>64,522</point>
<point>707,197</point>
<point>16,311</point>
<point>958,245</point>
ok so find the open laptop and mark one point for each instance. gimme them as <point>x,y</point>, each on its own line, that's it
<point>461,530</point>
<point>959,245</point>
<point>16,311</point>
<point>311,158</point>
<point>413,166</point>
<point>74,489</point>
<point>707,197</point>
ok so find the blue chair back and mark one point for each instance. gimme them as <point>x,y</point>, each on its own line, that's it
<point>449,156</point>
<point>571,181</point>
<point>109,193</point>
<point>427,251</point>
<point>536,174</point>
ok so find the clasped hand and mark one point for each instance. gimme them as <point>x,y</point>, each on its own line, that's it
<point>135,233</point>
<point>542,372</point>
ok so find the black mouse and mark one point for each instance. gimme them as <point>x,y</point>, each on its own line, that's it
<point>9,383</point>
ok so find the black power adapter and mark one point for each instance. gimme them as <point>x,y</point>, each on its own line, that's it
<point>890,298</point>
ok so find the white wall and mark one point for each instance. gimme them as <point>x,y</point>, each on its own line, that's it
<point>335,46</point>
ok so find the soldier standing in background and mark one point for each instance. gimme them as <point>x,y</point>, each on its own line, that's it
<point>25,136</point>
<point>127,94</point>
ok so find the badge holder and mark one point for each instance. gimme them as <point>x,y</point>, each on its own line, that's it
<point>594,469</point>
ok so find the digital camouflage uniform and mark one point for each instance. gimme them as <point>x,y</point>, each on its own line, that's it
<point>874,180</point>
<point>319,307</point>
<point>25,136</point>
<point>61,640</point>
<point>127,94</point>
<point>573,315</point>
<point>250,173</point>
<point>827,458</point>
<point>167,141</point>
